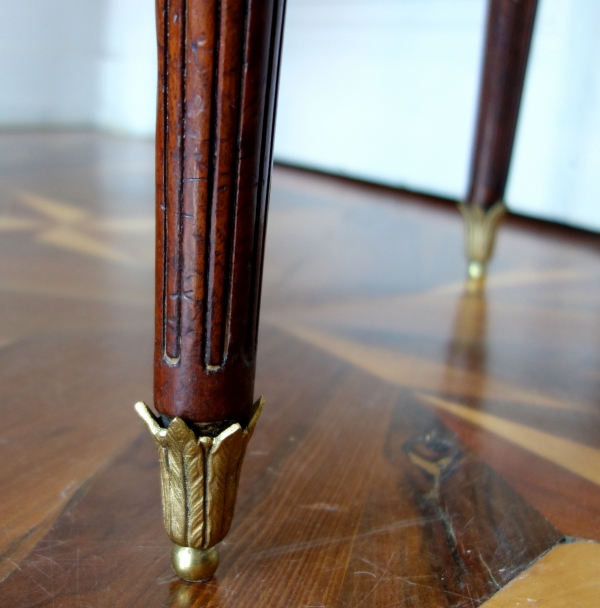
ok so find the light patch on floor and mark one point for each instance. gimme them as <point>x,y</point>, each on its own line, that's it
<point>417,372</point>
<point>583,460</point>
<point>568,576</point>
<point>69,227</point>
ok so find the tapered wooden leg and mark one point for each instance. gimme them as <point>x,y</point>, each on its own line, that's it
<point>218,73</point>
<point>509,31</point>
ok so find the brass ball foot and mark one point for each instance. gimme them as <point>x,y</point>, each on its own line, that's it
<point>476,270</point>
<point>194,565</point>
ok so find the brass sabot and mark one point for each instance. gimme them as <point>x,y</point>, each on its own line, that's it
<point>481,226</point>
<point>199,479</point>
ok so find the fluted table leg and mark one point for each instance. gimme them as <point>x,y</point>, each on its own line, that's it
<point>218,73</point>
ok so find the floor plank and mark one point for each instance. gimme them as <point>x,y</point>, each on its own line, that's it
<point>423,443</point>
<point>372,501</point>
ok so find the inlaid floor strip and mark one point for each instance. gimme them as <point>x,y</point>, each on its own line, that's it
<point>420,373</point>
<point>580,459</point>
<point>568,576</point>
<point>69,227</point>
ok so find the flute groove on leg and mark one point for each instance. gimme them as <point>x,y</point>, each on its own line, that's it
<point>218,74</point>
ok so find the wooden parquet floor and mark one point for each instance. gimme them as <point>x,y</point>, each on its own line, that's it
<point>424,444</point>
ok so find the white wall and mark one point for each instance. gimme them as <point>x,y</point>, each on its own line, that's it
<point>556,164</point>
<point>387,90</point>
<point>48,53</point>
<point>127,70</point>
<point>78,63</point>
<point>384,90</point>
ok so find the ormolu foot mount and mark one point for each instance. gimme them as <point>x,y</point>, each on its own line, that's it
<point>481,226</point>
<point>199,478</point>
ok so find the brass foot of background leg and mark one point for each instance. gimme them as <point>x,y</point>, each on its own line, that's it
<point>481,226</point>
<point>199,478</point>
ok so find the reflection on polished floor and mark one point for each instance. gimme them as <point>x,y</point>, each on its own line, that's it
<point>425,442</point>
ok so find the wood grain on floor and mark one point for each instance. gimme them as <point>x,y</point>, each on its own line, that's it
<point>423,443</point>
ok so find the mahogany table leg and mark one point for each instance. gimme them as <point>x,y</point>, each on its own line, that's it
<point>218,73</point>
<point>509,31</point>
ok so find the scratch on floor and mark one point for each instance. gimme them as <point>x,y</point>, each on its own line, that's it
<point>324,542</point>
<point>488,571</point>
<point>387,566</point>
